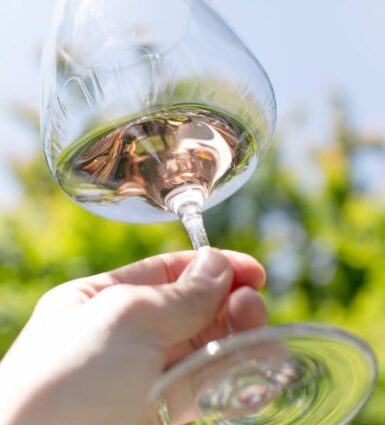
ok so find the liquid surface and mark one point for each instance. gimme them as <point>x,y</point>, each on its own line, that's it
<point>126,171</point>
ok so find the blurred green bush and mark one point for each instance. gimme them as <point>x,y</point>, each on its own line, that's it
<point>324,249</point>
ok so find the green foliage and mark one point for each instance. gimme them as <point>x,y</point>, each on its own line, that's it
<point>324,249</point>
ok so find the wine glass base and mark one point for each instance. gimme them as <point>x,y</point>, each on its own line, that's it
<point>290,374</point>
<point>248,387</point>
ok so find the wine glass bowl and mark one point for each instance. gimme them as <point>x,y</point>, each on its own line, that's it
<point>156,110</point>
<point>113,70</point>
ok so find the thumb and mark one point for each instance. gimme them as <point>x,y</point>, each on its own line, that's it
<point>192,302</point>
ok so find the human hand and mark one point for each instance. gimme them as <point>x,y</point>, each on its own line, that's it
<point>94,347</point>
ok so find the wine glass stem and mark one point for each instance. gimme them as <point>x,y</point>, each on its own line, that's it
<point>187,204</point>
<point>191,217</point>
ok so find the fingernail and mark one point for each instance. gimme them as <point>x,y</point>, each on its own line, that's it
<point>209,263</point>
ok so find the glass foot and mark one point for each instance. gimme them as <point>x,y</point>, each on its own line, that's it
<point>290,374</point>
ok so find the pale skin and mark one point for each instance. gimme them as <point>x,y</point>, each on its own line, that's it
<point>94,347</point>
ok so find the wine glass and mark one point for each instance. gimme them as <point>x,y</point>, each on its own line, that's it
<point>156,110</point>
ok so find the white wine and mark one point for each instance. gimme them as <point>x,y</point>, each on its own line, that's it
<point>128,170</point>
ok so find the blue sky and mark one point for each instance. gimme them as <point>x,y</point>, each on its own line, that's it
<point>310,49</point>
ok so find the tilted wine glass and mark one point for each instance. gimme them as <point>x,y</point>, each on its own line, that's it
<point>153,110</point>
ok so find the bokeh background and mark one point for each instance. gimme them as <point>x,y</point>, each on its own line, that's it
<point>313,214</point>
